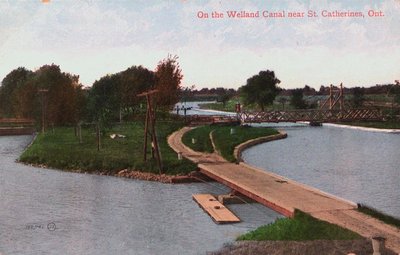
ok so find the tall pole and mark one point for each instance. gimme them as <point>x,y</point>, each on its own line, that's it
<point>330,97</point>
<point>42,92</point>
<point>150,129</point>
<point>341,97</point>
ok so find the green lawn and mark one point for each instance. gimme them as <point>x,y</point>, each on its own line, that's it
<point>300,228</point>
<point>225,142</point>
<point>61,149</point>
<point>201,137</point>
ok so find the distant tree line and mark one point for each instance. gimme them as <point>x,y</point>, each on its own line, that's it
<point>25,93</point>
<point>64,97</point>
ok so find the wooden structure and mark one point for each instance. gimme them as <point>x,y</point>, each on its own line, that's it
<point>16,126</point>
<point>284,195</point>
<point>150,130</point>
<point>331,110</point>
<point>335,99</point>
<point>218,212</point>
<point>44,104</point>
<point>198,120</point>
<point>312,116</point>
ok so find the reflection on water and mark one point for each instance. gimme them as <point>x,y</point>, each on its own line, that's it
<point>53,212</point>
<point>357,165</point>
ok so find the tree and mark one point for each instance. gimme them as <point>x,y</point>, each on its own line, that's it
<point>115,95</point>
<point>104,100</point>
<point>297,100</point>
<point>168,77</point>
<point>9,87</point>
<point>261,89</point>
<point>358,96</point>
<point>20,94</point>
<point>283,100</point>
<point>132,82</point>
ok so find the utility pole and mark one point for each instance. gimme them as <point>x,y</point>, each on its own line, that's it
<point>150,130</point>
<point>42,92</point>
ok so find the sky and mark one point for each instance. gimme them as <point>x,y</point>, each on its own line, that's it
<point>93,38</point>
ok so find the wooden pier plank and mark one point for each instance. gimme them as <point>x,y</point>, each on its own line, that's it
<point>284,195</point>
<point>218,212</point>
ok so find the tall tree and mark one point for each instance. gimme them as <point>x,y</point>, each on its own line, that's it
<point>261,89</point>
<point>358,96</point>
<point>104,100</point>
<point>9,87</point>
<point>168,77</point>
<point>297,100</point>
<point>134,81</point>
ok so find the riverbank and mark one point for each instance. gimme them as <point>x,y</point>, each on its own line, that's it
<point>121,148</point>
<point>325,247</point>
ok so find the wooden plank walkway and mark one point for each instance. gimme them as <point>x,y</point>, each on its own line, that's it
<point>284,195</point>
<point>218,212</point>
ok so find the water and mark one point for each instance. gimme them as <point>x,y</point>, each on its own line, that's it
<point>53,212</point>
<point>194,109</point>
<point>360,166</point>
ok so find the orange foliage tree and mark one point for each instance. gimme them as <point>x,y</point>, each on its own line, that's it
<point>168,77</point>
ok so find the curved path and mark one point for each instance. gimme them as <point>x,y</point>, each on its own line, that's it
<point>284,195</point>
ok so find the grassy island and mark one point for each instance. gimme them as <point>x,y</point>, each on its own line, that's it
<point>224,141</point>
<point>61,148</point>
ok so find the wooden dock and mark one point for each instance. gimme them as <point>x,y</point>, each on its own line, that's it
<point>284,195</point>
<point>218,212</point>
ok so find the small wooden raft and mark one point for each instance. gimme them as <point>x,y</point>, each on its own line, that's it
<point>218,212</point>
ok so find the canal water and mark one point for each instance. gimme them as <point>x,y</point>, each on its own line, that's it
<point>46,211</point>
<point>357,165</point>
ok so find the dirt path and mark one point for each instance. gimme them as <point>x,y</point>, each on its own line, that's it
<point>284,195</point>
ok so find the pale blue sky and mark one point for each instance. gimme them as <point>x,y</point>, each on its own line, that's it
<point>94,37</point>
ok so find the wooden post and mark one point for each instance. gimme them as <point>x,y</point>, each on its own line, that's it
<point>150,130</point>
<point>42,92</point>
<point>146,125</point>
<point>80,132</point>
<point>98,136</point>
<point>341,97</point>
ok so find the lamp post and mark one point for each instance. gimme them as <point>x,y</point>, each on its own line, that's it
<point>42,92</point>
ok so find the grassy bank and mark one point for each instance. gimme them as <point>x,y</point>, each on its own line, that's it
<point>61,149</point>
<point>374,124</point>
<point>379,215</point>
<point>301,227</point>
<point>225,142</point>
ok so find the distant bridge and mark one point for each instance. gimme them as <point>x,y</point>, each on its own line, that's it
<point>331,110</point>
<point>315,116</point>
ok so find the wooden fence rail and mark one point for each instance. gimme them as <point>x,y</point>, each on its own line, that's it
<point>14,126</point>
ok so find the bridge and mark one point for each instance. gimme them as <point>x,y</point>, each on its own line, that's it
<point>16,126</point>
<point>316,116</point>
<point>333,109</point>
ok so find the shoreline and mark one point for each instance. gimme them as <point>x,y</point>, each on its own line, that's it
<point>369,129</point>
<point>192,177</point>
